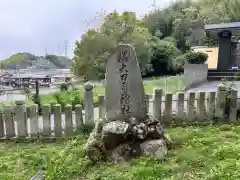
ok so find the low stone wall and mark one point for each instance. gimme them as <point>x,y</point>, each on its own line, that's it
<point>194,74</point>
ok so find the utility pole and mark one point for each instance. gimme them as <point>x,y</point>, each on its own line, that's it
<point>66,48</point>
<point>46,53</point>
<point>154,5</point>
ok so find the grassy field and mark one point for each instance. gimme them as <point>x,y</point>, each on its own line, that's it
<point>170,84</point>
<point>199,153</point>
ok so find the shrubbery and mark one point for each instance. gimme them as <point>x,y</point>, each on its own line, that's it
<point>72,97</point>
<point>190,58</point>
<point>196,57</point>
<point>64,87</point>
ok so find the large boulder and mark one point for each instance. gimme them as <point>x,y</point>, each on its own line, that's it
<point>115,133</point>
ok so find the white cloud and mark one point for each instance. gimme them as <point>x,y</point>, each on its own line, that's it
<point>33,25</point>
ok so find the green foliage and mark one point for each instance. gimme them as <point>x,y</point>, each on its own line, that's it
<point>92,52</point>
<point>193,57</point>
<point>196,57</point>
<point>59,61</point>
<point>76,96</point>
<point>178,62</point>
<point>24,60</point>
<point>64,87</point>
<point>164,53</point>
<point>18,59</point>
<point>181,23</point>
<point>73,97</point>
<point>190,58</point>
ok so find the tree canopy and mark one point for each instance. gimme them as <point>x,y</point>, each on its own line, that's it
<point>162,39</point>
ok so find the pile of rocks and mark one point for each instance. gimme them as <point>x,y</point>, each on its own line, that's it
<point>127,130</point>
<point>121,140</point>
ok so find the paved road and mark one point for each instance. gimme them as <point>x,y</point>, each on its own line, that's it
<point>211,86</point>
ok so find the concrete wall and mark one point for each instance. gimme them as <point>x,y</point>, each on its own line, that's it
<point>194,74</point>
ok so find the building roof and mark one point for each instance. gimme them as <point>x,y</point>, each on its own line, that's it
<point>36,73</point>
<point>214,29</point>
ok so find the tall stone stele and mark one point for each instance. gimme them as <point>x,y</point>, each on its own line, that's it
<point>124,89</point>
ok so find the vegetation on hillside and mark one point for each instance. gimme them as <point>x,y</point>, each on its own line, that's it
<point>24,60</point>
<point>159,38</point>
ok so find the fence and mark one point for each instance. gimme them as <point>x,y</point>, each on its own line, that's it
<point>21,121</point>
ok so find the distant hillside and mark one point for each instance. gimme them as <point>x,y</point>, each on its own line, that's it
<point>24,60</point>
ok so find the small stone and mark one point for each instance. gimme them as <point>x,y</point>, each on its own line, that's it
<point>40,175</point>
<point>154,148</point>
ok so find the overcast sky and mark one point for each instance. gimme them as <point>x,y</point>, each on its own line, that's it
<point>35,25</point>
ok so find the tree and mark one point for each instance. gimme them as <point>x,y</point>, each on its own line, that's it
<point>163,54</point>
<point>185,20</point>
<point>161,39</point>
<point>92,52</point>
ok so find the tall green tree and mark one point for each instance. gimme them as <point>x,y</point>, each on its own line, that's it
<point>93,50</point>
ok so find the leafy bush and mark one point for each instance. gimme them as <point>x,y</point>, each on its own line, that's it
<point>196,57</point>
<point>72,97</point>
<point>190,58</point>
<point>64,87</point>
<point>178,62</point>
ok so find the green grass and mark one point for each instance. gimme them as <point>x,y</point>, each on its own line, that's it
<point>169,84</point>
<point>199,153</point>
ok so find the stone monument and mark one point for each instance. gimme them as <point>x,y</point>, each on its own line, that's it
<point>124,88</point>
<point>127,130</point>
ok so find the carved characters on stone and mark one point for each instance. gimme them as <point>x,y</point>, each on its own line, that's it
<point>124,86</point>
<point>124,99</point>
